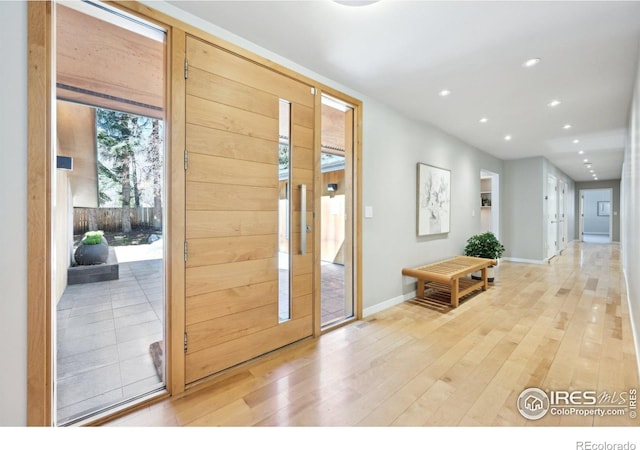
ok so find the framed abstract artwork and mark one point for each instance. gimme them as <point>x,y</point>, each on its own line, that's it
<point>434,200</point>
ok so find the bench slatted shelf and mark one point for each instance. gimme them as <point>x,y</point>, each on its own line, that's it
<point>449,277</point>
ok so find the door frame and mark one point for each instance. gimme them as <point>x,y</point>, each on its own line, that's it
<point>40,121</point>
<point>581,211</point>
<point>354,184</point>
<point>552,209</point>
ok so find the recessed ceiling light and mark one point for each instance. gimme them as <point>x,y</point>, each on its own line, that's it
<point>576,141</point>
<point>595,178</point>
<point>581,152</point>
<point>530,62</point>
<point>507,137</point>
<point>355,2</point>
<point>589,167</point>
<point>444,92</point>
<point>567,126</point>
<point>586,160</point>
<point>591,171</point>
<point>554,103</point>
<point>484,120</point>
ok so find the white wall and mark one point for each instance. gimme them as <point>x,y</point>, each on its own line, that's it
<point>525,209</point>
<point>592,222</point>
<point>393,145</point>
<point>13,213</point>
<point>522,209</point>
<point>630,212</point>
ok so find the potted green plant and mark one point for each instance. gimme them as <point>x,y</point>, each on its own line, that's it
<point>484,245</point>
<point>93,249</point>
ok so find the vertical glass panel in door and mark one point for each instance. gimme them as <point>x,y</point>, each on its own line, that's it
<point>336,213</point>
<point>284,212</point>
<point>108,220</point>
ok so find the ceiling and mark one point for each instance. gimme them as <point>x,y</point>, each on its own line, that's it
<point>404,53</point>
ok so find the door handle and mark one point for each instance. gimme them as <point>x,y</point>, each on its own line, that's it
<point>303,219</point>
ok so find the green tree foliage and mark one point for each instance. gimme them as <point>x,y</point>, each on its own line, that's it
<point>130,162</point>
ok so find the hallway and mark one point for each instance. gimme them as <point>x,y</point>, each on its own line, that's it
<point>558,326</point>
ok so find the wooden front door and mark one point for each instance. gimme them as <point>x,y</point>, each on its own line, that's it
<point>239,205</point>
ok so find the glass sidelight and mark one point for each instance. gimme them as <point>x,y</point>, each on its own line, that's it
<point>336,165</point>
<point>109,204</point>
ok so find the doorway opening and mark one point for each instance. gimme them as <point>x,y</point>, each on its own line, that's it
<point>490,202</point>
<point>595,215</point>
<point>108,205</point>
<point>336,212</point>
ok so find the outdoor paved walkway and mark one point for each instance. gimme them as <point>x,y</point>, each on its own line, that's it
<point>104,330</point>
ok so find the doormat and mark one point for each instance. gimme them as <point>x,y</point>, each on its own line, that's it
<point>157,355</point>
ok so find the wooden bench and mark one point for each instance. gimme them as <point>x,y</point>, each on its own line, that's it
<point>448,278</point>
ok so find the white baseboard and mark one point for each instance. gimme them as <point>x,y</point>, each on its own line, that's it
<point>522,260</point>
<point>634,331</point>
<point>387,304</point>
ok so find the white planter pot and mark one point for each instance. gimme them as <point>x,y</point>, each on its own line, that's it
<point>490,274</point>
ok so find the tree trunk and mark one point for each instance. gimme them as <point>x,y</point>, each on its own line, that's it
<point>92,220</point>
<point>126,195</point>
<point>157,172</point>
<point>134,181</point>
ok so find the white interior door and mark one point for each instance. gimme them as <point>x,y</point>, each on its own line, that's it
<point>562,223</point>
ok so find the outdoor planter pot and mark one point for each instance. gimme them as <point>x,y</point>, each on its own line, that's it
<point>92,250</point>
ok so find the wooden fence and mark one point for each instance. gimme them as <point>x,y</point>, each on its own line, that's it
<point>110,219</point>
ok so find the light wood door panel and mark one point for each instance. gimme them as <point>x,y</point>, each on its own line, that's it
<point>211,251</point>
<point>215,359</point>
<point>227,118</point>
<point>203,279</point>
<point>232,67</point>
<point>208,224</point>
<point>213,305</point>
<point>209,141</point>
<point>232,197</point>
<point>205,168</point>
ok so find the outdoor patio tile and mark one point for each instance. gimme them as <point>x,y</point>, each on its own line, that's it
<point>95,341</point>
<point>119,294</point>
<point>83,362</point>
<point>129,301</point>
<point>88,384</point>
<point>89,309</point>
<point>138,308</point>
<point>135,319</point>
<point>89,318</point>
<point>91,404</point>
<point>139,330</point>
<point>82,330</point>
<point>136,369</point>
<point>143,386</point>
<point>119,285</point>
<point>65,303</point>
<point>62,318</point>
<point>138,347</point>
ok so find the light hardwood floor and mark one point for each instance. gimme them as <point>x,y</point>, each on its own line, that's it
<point>558,326</point>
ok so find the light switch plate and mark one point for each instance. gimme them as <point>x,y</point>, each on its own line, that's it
<point>368,212</point>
